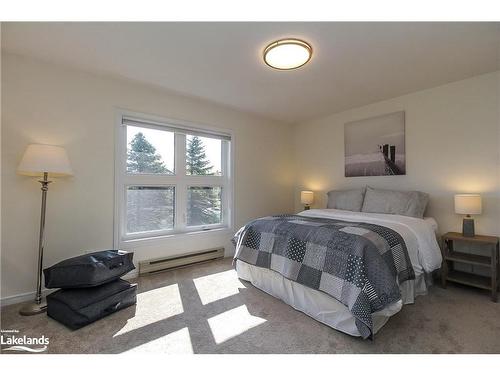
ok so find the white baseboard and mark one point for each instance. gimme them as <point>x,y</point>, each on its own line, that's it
<point>23,297</point>
<point>131,275</point>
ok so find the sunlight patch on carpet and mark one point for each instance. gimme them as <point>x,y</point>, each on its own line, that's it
<point>178,342</point>
<point>153,306</point>
<point>232,323</point>
<point>217,286</point>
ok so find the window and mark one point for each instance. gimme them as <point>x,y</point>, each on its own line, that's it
<point>203,156</point>
<point>150,151</point>
<point>170,179</point>
<point>204,205</point>
<point>149,208</point>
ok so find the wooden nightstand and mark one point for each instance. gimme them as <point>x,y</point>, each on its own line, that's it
<point>448,273</point>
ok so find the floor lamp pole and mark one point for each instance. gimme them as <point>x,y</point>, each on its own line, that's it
<point>39,305</point>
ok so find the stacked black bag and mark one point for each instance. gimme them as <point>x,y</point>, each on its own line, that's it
<point>91,287</point>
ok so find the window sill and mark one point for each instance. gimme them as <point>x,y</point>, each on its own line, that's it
<point>151,241</point>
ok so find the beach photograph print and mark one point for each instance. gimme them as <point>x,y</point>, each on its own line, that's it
<point>375,146</point>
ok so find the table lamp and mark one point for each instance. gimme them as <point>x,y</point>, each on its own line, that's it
<point>306,198</point>
<point>42,160</point>
<point>468,204</point>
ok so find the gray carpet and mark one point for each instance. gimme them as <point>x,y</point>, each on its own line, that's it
<point>207,309</point>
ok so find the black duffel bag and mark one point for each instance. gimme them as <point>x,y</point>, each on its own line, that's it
<point>76,308</point>
<point>89,270</point>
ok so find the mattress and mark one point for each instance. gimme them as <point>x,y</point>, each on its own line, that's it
<point>425,255</point>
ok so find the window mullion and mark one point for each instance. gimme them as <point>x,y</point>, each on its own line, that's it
<point>225,159</point>
<point>181,206</point>
<point>205,180</point>
<point>159,180</point>
<point>180,154</point>
<point>226,190</point>
<point>180,189</point>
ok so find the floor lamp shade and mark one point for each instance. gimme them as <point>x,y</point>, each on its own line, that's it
<point>40,159</point>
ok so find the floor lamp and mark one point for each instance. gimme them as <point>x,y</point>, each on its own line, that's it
<point>42,160</point>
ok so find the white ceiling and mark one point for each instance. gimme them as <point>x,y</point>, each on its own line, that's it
<point>353,63</point>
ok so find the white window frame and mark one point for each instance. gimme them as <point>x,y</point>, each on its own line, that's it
<point>179,180</point>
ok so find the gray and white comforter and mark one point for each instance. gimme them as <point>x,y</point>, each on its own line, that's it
<point>358,264</point>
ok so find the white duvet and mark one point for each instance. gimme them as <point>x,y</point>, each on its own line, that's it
<point>418,234</point>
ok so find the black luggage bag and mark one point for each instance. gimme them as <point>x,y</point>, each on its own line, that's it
<point>89,270</point>
<point>76,308</point>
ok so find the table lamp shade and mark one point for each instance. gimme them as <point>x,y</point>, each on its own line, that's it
<point>468,204</point>
<point>40,159</point>
<point>306,197</point>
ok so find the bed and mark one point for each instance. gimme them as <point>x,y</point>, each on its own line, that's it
<point>350,270</point>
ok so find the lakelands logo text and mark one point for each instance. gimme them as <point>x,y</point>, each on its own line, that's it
<point>23,343</point>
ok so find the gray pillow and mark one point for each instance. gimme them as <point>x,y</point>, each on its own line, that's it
<point>349,200</point>
<point>407,203</point>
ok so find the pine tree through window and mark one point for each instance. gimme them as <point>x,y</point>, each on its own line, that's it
<point>199,162</point>
<point>204,202</point>
<point>143,156</point>
<point>170,180</point>
<point>204,205</point>
<point>150,208</point>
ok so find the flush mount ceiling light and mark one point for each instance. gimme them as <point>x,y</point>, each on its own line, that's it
<point>287,54</point>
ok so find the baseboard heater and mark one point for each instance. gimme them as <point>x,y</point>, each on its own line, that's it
<point>164,264</point>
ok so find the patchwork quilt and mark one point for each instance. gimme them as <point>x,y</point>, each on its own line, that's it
<point>359,264</point>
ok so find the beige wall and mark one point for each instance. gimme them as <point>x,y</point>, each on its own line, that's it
<point>452,145</point>
<point>43,103</point>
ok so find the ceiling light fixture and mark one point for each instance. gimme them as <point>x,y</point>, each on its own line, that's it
<point>287,54</point>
